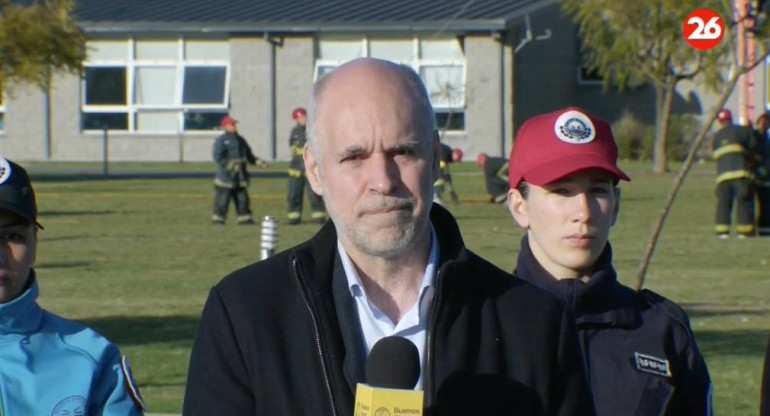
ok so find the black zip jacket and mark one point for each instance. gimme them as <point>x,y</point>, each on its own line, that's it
<point>281,337</point>
<point>638,347</point>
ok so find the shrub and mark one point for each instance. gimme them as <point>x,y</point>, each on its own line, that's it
<point>629,135</point>
<point>682,130</point>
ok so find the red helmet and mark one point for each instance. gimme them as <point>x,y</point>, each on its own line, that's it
<point>299,111</point>
<point>228,121</point>
<point>481,159</point>
<point>457,155</point>
<point>724,115</point>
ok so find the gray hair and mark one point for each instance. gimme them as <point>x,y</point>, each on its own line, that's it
<point>410,78</point>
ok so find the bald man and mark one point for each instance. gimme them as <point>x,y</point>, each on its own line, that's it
<point>290,335</point>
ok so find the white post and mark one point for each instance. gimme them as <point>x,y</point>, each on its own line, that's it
<point>269,237</point>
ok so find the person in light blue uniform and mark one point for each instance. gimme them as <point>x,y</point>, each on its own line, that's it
<point>48,365</point>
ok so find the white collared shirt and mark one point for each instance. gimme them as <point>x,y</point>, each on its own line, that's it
<point>413,325</point>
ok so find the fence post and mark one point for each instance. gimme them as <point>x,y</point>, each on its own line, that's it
<point>105,151</point>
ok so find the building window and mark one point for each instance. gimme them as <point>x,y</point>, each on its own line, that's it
<point>440,63</point>
<point>156,85</point>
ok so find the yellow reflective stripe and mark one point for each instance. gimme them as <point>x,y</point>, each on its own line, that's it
<point>317,214</point>
<point>442,164</point>
<point>295,173</point>
<point>734,174</point>
<point>439,182</point>
<point>297,150</point>
<point>726,149</point>
<point>501,198</point>
<point>222,184</point>
<point>293,215</point>
<point>722,228</point>
<point>503,172</point>
<point>745,228</point>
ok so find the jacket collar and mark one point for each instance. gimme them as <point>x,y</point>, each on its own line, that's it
<point>321,270</point>
<point>600,301</point>
<point>317,254</point>
<point>23,314</point>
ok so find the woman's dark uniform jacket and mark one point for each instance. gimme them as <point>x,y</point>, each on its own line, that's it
<point>281,337</point>
<point>638,347</point>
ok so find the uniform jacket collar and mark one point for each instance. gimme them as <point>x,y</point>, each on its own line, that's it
<point>600,301</point>
<point>23,314</point>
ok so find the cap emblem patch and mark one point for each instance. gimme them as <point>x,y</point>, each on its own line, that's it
<point>574,127</point>
<point>5,170</point>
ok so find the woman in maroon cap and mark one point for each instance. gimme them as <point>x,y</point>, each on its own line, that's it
<point>639,351</point>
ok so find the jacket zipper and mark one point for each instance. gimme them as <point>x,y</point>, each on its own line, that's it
<point>317,333</point>
<point>428,384</point>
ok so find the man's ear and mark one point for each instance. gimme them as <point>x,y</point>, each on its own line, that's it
<point>311,170</point>
<point>436,148</point>
<point>616,208</point>
<point>517,206</point>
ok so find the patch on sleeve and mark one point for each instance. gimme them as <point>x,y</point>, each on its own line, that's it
<point>133,389</point>
<point>652,365</point>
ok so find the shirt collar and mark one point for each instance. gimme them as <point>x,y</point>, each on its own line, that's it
<point>354,280</point>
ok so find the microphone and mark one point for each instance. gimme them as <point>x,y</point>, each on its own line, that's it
<point>392,370</point>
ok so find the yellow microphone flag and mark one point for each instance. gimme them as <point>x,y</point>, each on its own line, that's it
<point>377,401</point>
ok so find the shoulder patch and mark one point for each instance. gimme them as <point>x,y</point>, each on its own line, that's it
<point>133,389</point>
<point>652,365</point>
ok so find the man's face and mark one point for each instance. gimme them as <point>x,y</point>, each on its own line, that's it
<point>229,128</point>
<point>301,119</point>
<point>376,164</point>
<point>18,242</point>
<point>568,221</point>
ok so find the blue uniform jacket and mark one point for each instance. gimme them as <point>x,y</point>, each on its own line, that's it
<point>639,351</point>
<point>53,366</point>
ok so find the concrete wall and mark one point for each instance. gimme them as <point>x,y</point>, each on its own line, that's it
<point>295,60</point>
<point>483,97</point>
<point>545,68</point>
<point>546,79</point>
<point>22,138</point>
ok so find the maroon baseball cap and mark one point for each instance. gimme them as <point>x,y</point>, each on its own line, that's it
<point>553,145</point>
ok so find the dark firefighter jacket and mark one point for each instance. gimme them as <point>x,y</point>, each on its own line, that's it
<point>731,147</point>
<point>297,146</point>
<point>231,153</point>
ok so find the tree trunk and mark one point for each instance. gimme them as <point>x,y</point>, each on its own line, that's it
<point>664,96</point>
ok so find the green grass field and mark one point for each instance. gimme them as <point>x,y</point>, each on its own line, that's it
<point>135,258</point>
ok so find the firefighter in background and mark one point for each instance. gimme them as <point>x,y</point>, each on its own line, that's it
<point>762,172</point>
<point>231,154</point>
<point>495,176</point>
<point>444,184</point>
<point>297,182</point>
<point>731,151</point>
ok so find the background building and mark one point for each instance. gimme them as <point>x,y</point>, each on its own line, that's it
<point>160,75</point>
